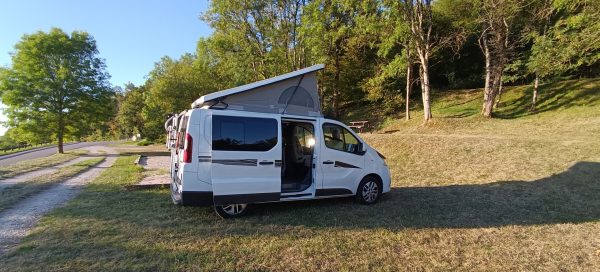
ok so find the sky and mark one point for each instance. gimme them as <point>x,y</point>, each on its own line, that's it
<point>131,35</point>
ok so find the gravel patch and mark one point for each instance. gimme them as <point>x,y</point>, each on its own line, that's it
<point>15,223</point>
<point>155,167</point>
<point>155,180</point>
<point>156,162</point>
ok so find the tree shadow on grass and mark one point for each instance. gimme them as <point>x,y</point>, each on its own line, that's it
<point>551,97</point>
<point>569,197</point>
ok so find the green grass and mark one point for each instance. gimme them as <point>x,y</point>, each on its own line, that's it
<point>35,164</point>
<point>514,193</point>
<point>15,193</point>
<point>144,142</point>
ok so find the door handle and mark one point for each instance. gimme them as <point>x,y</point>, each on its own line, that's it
<point>266,163</point>
<point>328,162</point>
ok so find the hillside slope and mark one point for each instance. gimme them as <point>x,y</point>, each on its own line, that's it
<point>459,146</point>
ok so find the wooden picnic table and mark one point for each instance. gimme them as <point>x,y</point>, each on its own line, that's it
<point>359,125</point>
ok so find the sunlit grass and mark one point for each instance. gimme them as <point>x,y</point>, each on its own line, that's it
<point>468,193</point>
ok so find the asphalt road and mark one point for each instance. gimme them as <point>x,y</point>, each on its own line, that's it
<point>42,152</point>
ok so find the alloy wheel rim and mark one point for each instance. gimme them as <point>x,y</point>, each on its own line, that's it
<point>234,209</point>
<point>370,191</point>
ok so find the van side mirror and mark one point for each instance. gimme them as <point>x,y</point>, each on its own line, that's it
<point>362,149</point>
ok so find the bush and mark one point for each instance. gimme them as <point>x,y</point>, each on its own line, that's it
<point>144,142</point>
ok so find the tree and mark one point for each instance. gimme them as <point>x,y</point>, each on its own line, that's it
<point>57,86</point>
<point>566,37</point>
<point>498,20</point>
<point>396,61</point>
<point>420,18</point>
<point>129,116</point>
<point>173,85</point>
<point>255,40</point>
<point>338,34</point>
<point>541,12</point>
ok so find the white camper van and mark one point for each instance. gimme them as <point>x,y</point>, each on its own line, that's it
<point>268,142</point>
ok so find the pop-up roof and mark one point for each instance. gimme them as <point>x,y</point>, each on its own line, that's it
<point>292,93</point>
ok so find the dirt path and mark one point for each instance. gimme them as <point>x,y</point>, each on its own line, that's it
<point>34,174</point>
<point>15,223</point>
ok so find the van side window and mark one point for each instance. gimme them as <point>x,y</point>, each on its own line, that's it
<point>232,133</point>
<point>339,138</point>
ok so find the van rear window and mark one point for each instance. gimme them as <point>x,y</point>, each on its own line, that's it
<point>232,133</point>
<point>182,131</point>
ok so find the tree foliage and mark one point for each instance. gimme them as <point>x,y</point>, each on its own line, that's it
<point>173,85</point>
<point>571,42</point>
<point>57,87</point>
<point>342,35</point>
<point>368,46</point>
<point>129,120</point>
<point>255,40</point>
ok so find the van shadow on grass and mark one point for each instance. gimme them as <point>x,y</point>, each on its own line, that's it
<point>567,197</point>
<point>572,196</point>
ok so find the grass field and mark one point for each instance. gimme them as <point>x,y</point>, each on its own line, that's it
<point>520,192</point>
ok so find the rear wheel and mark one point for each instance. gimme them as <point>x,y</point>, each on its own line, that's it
<point>369,190</point>
<point>231,210</point>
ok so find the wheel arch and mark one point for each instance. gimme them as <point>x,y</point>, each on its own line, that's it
<point>376,176</point>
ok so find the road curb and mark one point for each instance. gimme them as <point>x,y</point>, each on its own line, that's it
<point>31,150</point>
<point>137,160</point>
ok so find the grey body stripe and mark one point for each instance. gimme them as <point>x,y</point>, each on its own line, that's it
<point>245,162</point>
<point>204,159</point>
<point>344,165</point>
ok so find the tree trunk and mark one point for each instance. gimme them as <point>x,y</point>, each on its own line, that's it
<point>494,66</point>
<point>425,91</point>
<point>419,15</point>
<point>334,104</point>
<point>408,90</point>
<point>536,83</point>
<point>496,78</point>
<point>500,91</point>
<point>487,91</point>
<point>336,82</point>
<point>60,134</point>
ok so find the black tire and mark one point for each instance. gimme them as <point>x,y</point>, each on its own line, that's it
<point>369,190</point>
<point>231,211</point>
<point>175,194</point>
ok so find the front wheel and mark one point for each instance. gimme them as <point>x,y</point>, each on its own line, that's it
<point>231,210</point>
<point>369,190</point>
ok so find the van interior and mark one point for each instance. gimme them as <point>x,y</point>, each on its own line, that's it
<point>296,170</point>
